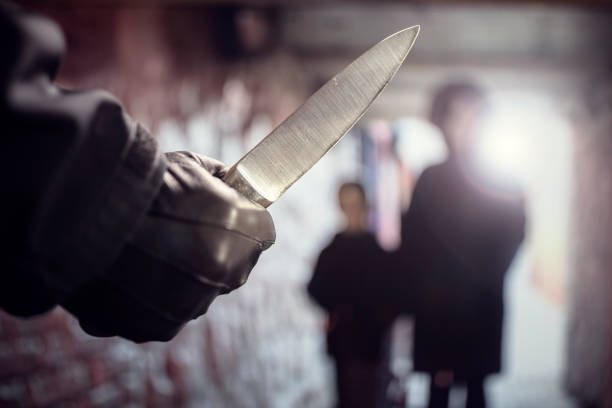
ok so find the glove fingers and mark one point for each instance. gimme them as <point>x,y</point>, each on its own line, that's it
<point>211,254</point>
<point>141,298</point>
<point>212,166</point>
<point>200,238</point>
<point>191,194</point>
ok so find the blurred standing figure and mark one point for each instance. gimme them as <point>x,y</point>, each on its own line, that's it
<point>347,283</point>
<point>459,237</point>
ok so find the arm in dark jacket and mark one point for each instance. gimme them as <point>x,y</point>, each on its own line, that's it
<point>132,242</point>
<point>407,260</point>
<point>320,287</point>
<point>79,174</point>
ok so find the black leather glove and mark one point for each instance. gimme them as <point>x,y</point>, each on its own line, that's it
<point>199,239</point>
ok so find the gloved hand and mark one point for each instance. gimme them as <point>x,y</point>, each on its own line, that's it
<point>199,239</point>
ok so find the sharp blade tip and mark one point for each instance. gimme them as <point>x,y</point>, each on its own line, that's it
<point>409,34</point>
<point>413,29</point>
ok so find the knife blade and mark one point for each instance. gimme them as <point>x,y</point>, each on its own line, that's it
<point>290,150</point>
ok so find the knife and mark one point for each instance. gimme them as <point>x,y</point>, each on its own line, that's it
<point>290,150</point>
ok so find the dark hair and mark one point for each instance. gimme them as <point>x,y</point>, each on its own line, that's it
<point>444,96</point>
<point>353,185</point>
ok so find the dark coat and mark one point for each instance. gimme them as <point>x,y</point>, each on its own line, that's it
<point>458,240</point>
<point>348,283</point>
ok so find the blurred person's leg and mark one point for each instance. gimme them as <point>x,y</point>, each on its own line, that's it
<point>438,394</point>
<point>386,387</point>
<point>358,382</point>
<point>343,386</point>
<point>475,393</point>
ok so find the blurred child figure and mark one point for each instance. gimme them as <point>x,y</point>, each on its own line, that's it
<point>459,237</point>
<point>348,283</point>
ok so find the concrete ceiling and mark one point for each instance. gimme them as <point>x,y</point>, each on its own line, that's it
<point>457,31</point>
<point>530,47</point>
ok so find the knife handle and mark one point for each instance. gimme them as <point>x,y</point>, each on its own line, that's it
<point>238,182</point>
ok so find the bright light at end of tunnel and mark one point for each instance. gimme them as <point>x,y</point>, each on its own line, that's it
<point>515,138</point>
<point>502,151</point>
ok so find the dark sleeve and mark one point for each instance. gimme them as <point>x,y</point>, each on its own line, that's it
<point>511,234</point>
<point>413,223</point>
<point>320,287</point>
<point>380,290</point>
<point>408,261</point>
<point>78,173</point>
